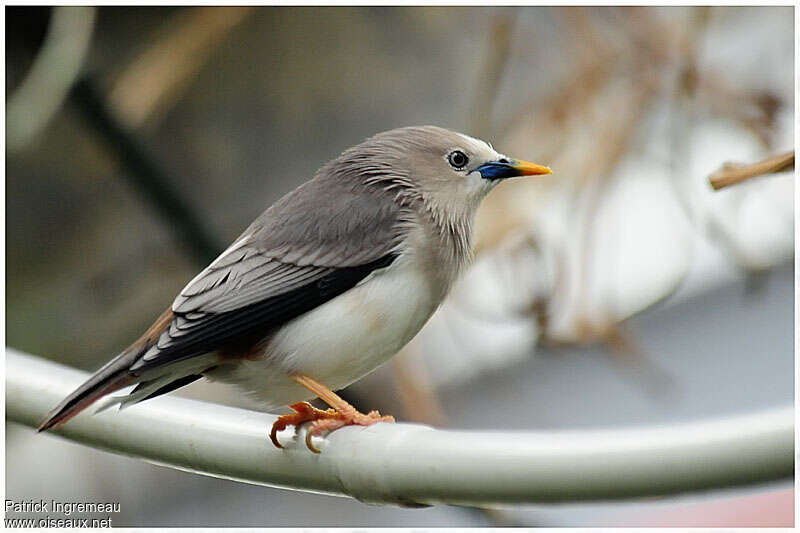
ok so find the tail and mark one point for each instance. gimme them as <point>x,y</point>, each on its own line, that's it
<point>117,374</point>
<point>113,376</point>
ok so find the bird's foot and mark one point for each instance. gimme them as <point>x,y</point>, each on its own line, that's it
<point>303,412</point>
<point>339,420</point>
<point>322,421</point>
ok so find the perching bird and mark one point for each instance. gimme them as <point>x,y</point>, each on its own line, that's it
<point>325,286</point>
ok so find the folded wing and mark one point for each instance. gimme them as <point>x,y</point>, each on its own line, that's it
<point>314,244</point>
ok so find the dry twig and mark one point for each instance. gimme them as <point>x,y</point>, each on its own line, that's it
<point>733,173</point>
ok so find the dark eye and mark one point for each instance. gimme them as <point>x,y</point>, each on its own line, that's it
<point>458,159</point>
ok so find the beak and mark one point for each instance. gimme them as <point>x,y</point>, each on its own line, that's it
<point>510,168</point>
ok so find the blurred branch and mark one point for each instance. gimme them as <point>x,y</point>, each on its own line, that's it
<point>603,325</point>
<point>490,74</point>
<point>754,110</point>
<point>570,99</point>
<point>550,123</point>
<point>602,94</point>
<point>733,173</point>
<point>158,76</point>
<point>417,392</point>
<point>54,70</point>
<point>599,166</point>
<point>622,69</point>
<point>412,465</point>
<point>683,106</point>
<point>146,174</point>
<point>647,34</point>
<point>690,85</point>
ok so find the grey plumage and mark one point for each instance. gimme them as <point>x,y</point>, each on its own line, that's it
<point>393,196</point>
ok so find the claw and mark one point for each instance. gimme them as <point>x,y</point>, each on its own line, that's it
<point>274,438</point>
<point>309,444</point>
<point>322,421</point>
<point>303,412</point>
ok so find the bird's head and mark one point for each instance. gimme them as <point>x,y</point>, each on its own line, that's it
<point>427,169</point>
<point>450,172</point>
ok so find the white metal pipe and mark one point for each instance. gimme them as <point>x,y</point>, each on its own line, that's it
<point>413,464</point>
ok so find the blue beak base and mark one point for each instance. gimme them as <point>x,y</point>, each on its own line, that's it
<point>510,168</point>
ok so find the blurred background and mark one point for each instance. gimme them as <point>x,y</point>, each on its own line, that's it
<point>620,291</point>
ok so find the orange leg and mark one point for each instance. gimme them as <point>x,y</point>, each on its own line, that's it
<point>342,414</point>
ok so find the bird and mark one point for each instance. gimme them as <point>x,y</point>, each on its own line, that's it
<point>323,287</point>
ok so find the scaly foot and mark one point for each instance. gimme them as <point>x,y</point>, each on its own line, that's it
<point>303,412</point>
<point>322,421</point>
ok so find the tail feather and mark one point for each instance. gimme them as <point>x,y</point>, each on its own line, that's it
<point>149,389</point>
<point>173,385</point>
<point>117,374</point>
<point>112,377</point>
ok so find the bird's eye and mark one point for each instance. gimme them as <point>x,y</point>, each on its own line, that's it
<point>458,159</point>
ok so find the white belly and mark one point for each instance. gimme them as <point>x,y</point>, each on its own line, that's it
<point>343,339</point>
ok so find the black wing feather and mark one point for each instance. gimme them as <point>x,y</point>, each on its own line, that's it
<point>215,330</point>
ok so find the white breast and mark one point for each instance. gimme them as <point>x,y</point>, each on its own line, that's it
<point>345,338</point>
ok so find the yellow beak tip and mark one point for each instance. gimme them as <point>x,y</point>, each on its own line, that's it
<point>526,168</point>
